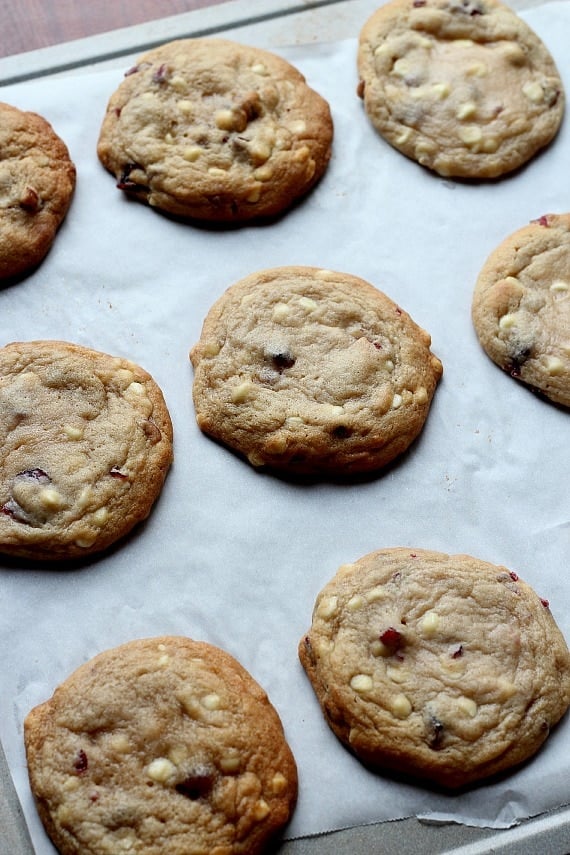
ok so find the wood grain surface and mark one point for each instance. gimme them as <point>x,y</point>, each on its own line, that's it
<point>31,24</point>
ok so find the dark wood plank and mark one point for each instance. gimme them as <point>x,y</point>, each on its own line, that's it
<point>30,24</point>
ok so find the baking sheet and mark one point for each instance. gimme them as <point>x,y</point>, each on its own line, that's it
<point>234,556</point>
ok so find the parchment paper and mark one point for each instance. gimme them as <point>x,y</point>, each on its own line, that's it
<point>234,556</point>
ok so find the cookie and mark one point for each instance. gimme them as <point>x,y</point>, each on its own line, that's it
<point>521,306</point>
<point>309,370</point>
<point>161,746</point>
<point>463,87</point>
<point>37,180</point>
<point>213,130</point>
<point>86,444</point>
<point>444,667</point>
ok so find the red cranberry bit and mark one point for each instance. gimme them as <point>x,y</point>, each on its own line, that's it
<point>542,221</point>
<point>36,474</point>
<point>80,763</point>
<point>545,603</point>
<point>514,576</point>
<point>161,74</point>
<point>125,182</point>
<point>132,70</point>
<point>197,785</point>
<point>419,3</point>
<point>457,654</point>
<point>435,733</point>
<point>115,472</point>
<point>392,639</point>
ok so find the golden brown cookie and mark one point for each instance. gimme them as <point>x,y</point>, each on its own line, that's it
<point>37,179</point>
<point>521,306</point>
<point>464,87</point>
<point>310,370</point>
<point>441,666</point>
<point>86,444</point>
<point>162,746</point>
<point>214,130</point>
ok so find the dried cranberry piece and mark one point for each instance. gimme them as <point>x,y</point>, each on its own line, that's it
<point>542,221</point>
<point>418,3</point>
<point>457,654</point>
<point>80,762</point>
<point>126,183</point>
<point>435,732</point>
<point>161,74</point>
<point>545,603</point>
<point>514,576</point>
<point>115,472</point>
<point>198,784</point>
<point>392,639</point>
<point>36,474</point>
<point>517,360</point>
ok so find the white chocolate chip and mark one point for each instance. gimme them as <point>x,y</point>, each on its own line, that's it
<point>554,366</point>
<point>421,395</point>
<point>508,321</point>
<point>217,172</point>
<point>278,783</point>
<point>280,313</point>
<point>135,389</point>
<point>211,702</point>
<point>71,784</point>
<point>260,151</point>
<point>397,674</point>
<point>401,706</point>
<point>242,392</point>
<point>467,706</point>
<point>72,432</point>
<point>533,91</point>
<point>466,110</point>
<point>490,144</point>
<point>397,401</point>
<point>210,349</point>
<point>559,286</point>
<point>430,624</point>
<point>470,134</point>
<point>328,607</point>
<point>404,136</point>
<point>85,542</point>
<point>119,744</point>
<point>389,365</point>
<point>307,304</point>
<point>402,67</point>
<point>441,90</point>
<point>160,770</point>
<point>375,594</point>
<point>298,127</point>
<point>263,173</point>
<point>356,602</point>
<point>478,69</point>
<point>361,683</point>
<point>294,421</point>
<point>225,120</point>
<point>192,153</point>
<point>260,69</point>
<point>51,499</point>
<point>185,106</point>
<point>261,810</point>
<point>231,762</point>
<point>100,516</point>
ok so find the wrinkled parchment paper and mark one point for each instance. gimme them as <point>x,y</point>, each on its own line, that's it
<point>234,556</point>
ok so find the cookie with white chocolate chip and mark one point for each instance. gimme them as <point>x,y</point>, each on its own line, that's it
<point>161,746</point>
<point>86,444</point>
<point>37,180</point>
<point>464,87</point>
<point>312,371</point>
<point>443,667</point>
<point>213,130</point>
<point>521,306</point>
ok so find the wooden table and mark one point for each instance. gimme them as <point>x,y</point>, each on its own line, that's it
<point>27,25</point>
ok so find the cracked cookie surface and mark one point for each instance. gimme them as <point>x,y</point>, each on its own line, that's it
<point>464,87</point>
<point>521,306</point>
<point>441,666</point>
<point>161,746</point>
<point>213,130</point>
<point>311,370</point>
<point>86,444</point>
<point>37,180</point>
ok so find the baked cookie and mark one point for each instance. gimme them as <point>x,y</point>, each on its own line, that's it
<point>213,130</point>
<point>464,87</point>
<point>309,371</point>
<point>86,444</point>
<point>37,179</point>
<point>162,746</point>
<point>521,306</point>
<point>440,666</point>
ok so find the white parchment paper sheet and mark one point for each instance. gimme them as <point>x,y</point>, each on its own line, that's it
<point>236,557</point>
